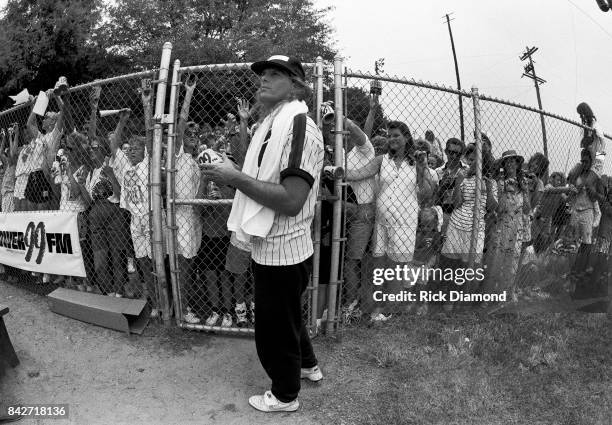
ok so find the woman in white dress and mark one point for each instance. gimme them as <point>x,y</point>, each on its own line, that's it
<point>405,183</point>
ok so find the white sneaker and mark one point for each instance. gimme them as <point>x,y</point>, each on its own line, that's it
<point>227,321</point>
<point>212,319</point>
<point>118,295</point>
<point>379,317</point>
<point>313,374</point>
<point>241,314</point>
<point>190,317</point>
<point>111,294</point>
<point>130,265</point>
<point>46,278</point>
<point>269,403</point>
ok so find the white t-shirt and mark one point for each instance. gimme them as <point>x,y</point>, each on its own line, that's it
<point>135,191</point>
<point>33,156</point>
<point>357,158</point>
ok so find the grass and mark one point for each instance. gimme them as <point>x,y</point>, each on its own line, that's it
<point>469,369</point>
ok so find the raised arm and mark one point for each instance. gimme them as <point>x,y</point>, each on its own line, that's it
<point>14,142</point>
<point>31,124</point>
<point>146,93</point>
<point>117,136</point>
<point>366,172</point>
<point>190,86</point>
<point>356,135</point>
<point>94,99</point>
<point>240,144</point>
<point>3,156</point>
<point>426,186</point>
<point>369,123</point>
<point>54,141</point>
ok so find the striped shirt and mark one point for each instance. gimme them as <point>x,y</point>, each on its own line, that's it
<point>289,240</point>
<point>461,217</point>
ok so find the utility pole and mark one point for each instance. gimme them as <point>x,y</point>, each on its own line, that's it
<point>530,73</point>
<point>450,32</point>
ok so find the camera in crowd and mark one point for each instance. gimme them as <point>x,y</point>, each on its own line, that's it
<point>375,87</point>
<point>333,172</point>
<point>328,114</point>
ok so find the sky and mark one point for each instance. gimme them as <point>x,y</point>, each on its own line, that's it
<point>574,38</point>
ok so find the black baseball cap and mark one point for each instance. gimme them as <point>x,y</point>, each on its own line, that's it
<point>285,63</point>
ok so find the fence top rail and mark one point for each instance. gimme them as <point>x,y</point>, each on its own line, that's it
<point>412,82</point>
<point>226,66</point>
<point>84,86</point>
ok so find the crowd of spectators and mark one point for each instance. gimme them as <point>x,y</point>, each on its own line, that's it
<point>408,202</point>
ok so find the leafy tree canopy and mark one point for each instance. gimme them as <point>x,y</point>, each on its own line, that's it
<point>88,39</point>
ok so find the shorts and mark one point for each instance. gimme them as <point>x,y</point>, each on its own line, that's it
<point>582,223</point>
<point>212,253</point>
<point>397,242</point>
<point>360,225</point>
<point>237,260</point>
<point>189,232</point>
<point>141,236</point>
<point>8,202</point>
<point>38,190</point>
<point>21,181</point>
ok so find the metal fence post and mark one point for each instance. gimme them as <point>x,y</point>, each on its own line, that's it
<point>316,267</point>
<point>478,185</point>
<point>156,196</point>
<point>337,209</point>
<point>171,192</point>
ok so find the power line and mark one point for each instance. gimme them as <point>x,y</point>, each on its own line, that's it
<point>531,74</point>
<point>593,20</point>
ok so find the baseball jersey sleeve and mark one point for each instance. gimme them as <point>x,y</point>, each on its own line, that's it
<point>303,153</point>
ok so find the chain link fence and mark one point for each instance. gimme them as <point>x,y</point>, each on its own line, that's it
<point>384,224</point>
<point>90,153</point>
<point>405,242</point>
<point>215,112</point>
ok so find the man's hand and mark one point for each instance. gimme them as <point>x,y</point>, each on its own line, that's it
<point>420,159</point>
<point>125,113</point>
<point>220,172</point>
<point>109,173</point>
<point>190,82</point>
<point>373,101</point>
<point>94,96</point>
<point>243,109</point>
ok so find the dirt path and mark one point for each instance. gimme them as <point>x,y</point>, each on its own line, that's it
<point>165,376</point>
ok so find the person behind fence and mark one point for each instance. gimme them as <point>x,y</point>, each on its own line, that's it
<point>135,197</point>
<point>70,173</point>
<point>585,214</point>
<point>104,222</point>
<point>9,155</point>
<point>33,189</point>
<point>504,250</point>
<point>540,228</point>
<point>457,244</point>
<point>274,207</point>
<point>405,184</point>
<point>360,210</point>
<point>187,182</point>
<point>593,139</point>
<point>447,176</point>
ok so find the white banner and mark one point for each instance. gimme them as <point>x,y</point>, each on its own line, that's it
<point>42,241</point>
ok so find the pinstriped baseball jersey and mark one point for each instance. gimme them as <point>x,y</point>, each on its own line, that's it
<point>289,241</point>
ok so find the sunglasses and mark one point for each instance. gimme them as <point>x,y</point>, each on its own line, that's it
<point>453,153</point>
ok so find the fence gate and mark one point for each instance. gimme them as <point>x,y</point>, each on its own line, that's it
<point>212,108</point>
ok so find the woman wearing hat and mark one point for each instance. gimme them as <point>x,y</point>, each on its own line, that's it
<point>504,248</point>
